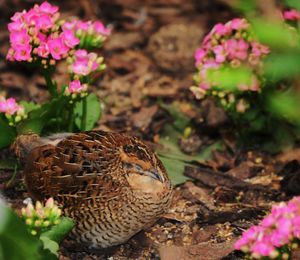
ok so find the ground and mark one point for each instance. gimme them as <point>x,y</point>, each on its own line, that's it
<point>149,61</point>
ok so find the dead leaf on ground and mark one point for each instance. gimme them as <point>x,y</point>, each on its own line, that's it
<point>144,117</point>
<point>203,251</point>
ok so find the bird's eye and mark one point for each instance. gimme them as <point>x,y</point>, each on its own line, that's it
<point>138,168</point>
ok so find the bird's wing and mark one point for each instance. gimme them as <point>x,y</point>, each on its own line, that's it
<point>80,168</point>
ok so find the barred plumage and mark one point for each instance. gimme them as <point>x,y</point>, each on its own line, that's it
<point>112,185</point>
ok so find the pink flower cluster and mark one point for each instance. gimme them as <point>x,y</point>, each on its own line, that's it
<point>36,34</point>
<point>10,107</point>
<point>13,112</point>
<point>83,63</point>
<point>92,33</point>
<point>280,228</point>
<point>75,87</point>
<point>229,44</point>
<point>40,218</point>
<point>291,15</point>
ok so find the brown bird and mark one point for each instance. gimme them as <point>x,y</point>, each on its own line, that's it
<point>111,184</point>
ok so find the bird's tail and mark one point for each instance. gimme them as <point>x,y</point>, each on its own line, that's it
<point>24,144</point>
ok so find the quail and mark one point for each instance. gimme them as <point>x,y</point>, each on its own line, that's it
<point>111,184</point>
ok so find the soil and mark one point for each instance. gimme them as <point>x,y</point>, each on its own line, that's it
<point>149,59</point>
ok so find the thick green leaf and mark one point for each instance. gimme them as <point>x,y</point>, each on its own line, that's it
<point>283,66</point>
<point>293,4</point>
<point>274,34</point>
<point>49,244</point>
<point>40,117</point>
<point>93,112</point>
<point>29,106</point>
<point>58,232</point>
<point>286,105</point>
<point>175,169</point>
<point>229,78</point>
<point>175,160</point>
<point>7,133</point>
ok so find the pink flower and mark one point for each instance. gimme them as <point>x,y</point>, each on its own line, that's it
<point>238,24</point>
<point>199,55</point>
<point>80,67</point>
<point>84,63</point>
<point>278,238</point>
<point>207,41</point>
<point>9,106</point>
<point>19,37</point>
<point>22,52</point>
<point>42,37</point>
<point>242,242</point>
<point>296,226</point>
<point>291,15</point>
<point>276,230</point>
<point>57,48</point>
<point>259,49</point>
<point>220,53</point>
<point>43,50</point>
<point>100,28</point>
<point>237,49</point>
<point>69,38</point>
<point>44,22</point>
<point>262,249</point>
<point>211,64</point>
<point>268,221</point>
<point>17,16</point>
<point>48,8</point>
<point>221,29</point>
<point>84,26</point>
<point>31,16</point>
<point>204,86</point>
<point>81,54</point>
<point>10,54</point>
<point>70,25</point>
<point>75,86</point>
<point>16,26</point>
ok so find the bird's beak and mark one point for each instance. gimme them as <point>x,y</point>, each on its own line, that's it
<point>154,174</point>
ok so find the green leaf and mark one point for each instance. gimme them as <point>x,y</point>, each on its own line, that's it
<point>286,105</point>
<point>15,241</point>
<point>7,133</point>
<point>293,4</point>
<point>175,160</point>
<point>181,121</point>
<point>29,106</point>
<point>59,231</point>
<point>40,117</point>
<point>229,78</point>
<point>49,244</point>
<point>175,169</point>
<point>283,66</point>
<point>94,110</point>
<point>274,33</point>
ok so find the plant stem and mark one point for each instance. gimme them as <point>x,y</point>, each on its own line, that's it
<point>84,112</point>
<point>71,118</point>
<point>50,84</point>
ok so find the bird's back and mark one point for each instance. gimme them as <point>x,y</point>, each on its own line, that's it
<point>84,173</point>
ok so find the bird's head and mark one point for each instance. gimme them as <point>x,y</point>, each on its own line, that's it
<point>143,170</point>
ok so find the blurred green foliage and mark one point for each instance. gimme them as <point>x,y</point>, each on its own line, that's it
<point>275,115</point>
<point>17,244</point>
